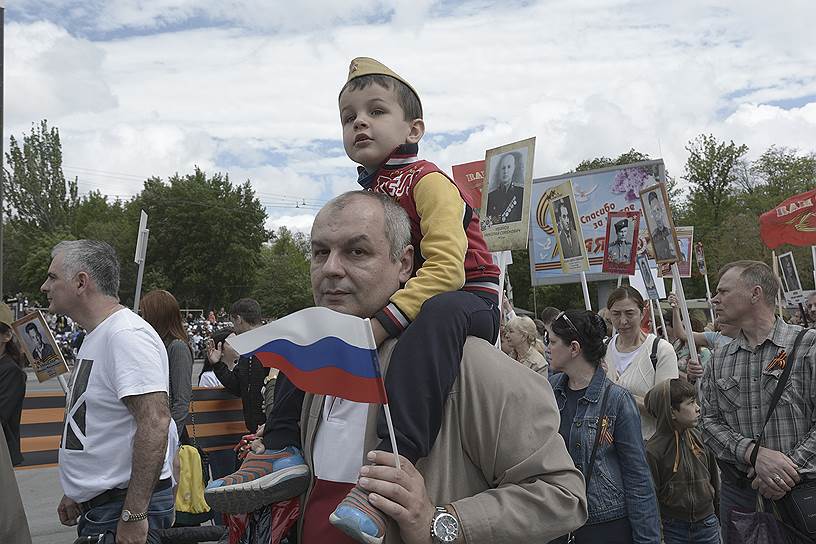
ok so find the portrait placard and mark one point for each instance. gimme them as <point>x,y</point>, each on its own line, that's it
<point>654,202</point>
<point>508,176</point>
<point>700,256</point>
<point>620,249</point>
<point>571,249</point>
<point>645,279</point>
<point>685,239</point>
<point>39,345</point>
<point>790,276</point>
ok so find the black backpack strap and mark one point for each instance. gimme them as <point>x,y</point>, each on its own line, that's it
<point>597,436</point>
<point>777,394</point>
<point>653,355</point>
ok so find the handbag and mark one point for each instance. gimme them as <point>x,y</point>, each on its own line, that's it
<point>191,508</point>
<point>796,511</point>
<point>591,466</point>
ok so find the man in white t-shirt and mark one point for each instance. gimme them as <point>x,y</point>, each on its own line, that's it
<point>118,442</point>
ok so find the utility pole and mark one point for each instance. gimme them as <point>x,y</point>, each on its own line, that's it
<point>2,137</point>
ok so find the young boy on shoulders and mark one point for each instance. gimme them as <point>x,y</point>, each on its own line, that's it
<point>453,294</point>
<point>684,471</point>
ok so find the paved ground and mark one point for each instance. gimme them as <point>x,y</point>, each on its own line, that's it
<point>41,492</point>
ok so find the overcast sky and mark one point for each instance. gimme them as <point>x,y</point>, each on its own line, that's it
<point>154,87</point>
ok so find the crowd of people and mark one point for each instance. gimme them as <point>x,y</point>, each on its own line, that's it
<point>584,427</point>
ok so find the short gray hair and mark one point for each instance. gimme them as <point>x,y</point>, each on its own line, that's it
<point>756,273</point>
<point>397,224</point>
<point>94,257</point>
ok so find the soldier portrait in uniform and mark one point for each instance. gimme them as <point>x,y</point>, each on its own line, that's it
<point>568,235</point>
<point>506,197</point>
<point>661,230</point>
<point>621,242</point>
<point>620,251</point>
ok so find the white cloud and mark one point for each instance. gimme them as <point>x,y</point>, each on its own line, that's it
<point>257,99</point>
<point>296,223</point>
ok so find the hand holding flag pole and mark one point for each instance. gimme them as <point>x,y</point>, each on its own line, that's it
<point>322,352</point>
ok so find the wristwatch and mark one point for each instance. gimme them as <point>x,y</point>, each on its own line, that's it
<point>127,515</point>
<point>444,526</point>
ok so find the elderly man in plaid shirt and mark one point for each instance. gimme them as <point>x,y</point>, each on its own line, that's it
<point>737,389</point>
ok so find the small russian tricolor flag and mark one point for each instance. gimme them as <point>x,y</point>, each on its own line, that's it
<point>321,351</point>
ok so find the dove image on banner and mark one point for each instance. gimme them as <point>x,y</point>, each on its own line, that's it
<point>321,351</point>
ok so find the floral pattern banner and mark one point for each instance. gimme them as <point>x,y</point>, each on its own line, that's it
<point>597,192</point>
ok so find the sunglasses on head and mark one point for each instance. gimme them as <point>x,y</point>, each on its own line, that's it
<point>546,338</point>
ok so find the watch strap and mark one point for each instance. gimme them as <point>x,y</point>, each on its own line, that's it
<point>134,517</point>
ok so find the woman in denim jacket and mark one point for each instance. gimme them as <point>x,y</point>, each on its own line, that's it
<point>621,496</point>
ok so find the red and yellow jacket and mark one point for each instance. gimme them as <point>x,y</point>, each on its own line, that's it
<point>450,251</point>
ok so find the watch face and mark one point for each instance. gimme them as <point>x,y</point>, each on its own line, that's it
<point>446,528</point>
<point>125,515</point>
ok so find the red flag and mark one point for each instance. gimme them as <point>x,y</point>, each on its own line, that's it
<point>791,222</point>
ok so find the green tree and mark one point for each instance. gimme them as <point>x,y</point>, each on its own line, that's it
<point>629,157</point>
<point>712,173</point>
<point>36,191</point>
<point>205,237</point>
<point>776,175</point>
<point>283,282</point>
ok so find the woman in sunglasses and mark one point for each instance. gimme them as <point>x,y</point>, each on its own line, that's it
<point>635,360</point>
<point>601,428</point>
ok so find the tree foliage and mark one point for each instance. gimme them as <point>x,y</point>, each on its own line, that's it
<point>205,236</point>
<point>282,284</point>
<point>36,192</point>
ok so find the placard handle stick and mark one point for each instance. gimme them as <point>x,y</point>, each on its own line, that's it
<point>585,287</point>
<point>708,298</point>
<point>684,313</point>
<point>63,383</point>
<point>652,312</point>
<point>620,279</point>
<point>776,273</point>
<point>665,334</point>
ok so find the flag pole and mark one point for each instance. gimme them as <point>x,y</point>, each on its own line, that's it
<point>388,421</point>
<point>391,433</point>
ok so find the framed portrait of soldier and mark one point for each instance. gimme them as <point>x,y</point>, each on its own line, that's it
<point>685,240</point>
<point>655,206</point>
<point>39,346</point>
<point>567,227</point>
<point>505,206</point>
<point>790,276</point>
<point>620,251</point>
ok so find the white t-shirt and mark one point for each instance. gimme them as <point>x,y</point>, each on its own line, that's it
<point>622,359</point>
<point>121,357</point>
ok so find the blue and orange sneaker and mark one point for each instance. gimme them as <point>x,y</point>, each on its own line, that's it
<point>358,519</point>
<point>264,478</point>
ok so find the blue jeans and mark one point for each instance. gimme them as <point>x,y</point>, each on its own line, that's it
<point>706,531</point>
<point>160,514</point>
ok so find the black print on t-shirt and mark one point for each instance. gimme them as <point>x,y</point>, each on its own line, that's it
<point>72,441</point>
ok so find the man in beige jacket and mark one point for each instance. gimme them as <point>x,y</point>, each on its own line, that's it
<point>498,472</point>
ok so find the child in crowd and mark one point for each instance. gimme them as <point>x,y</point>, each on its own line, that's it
<point>684,472</point>
<point>455,284</point>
